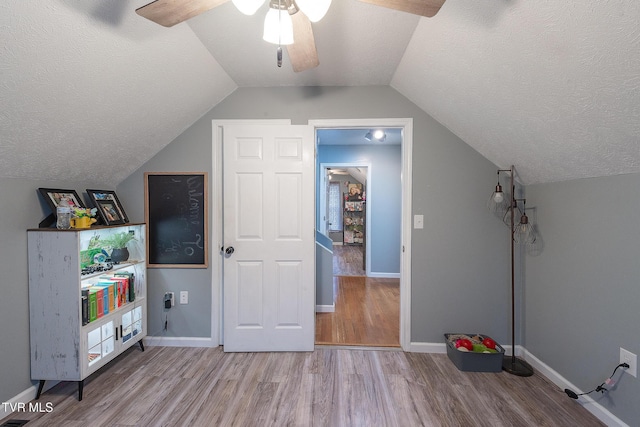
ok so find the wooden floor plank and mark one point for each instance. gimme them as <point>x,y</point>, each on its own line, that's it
<point>326,387</point>
<point>367,313</point>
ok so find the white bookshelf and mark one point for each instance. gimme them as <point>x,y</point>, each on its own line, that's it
<point>62,348</point>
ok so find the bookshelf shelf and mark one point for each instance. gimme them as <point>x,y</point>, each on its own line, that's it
<point>71,334</point>
<point>354,222</point>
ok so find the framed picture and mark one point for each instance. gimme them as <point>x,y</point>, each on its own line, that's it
<point>108,211</point>
<point>96,195</point>
<point>54,195</point>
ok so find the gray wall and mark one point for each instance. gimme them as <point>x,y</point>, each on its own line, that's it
<point>21,208</point>
<point>456,285</point>
<point>583,291</point>
<point>190,152</point>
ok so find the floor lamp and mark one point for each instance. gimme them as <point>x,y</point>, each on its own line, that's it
<point>506,205</point>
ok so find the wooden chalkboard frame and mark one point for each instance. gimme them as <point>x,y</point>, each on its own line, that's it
<point>153,208</point>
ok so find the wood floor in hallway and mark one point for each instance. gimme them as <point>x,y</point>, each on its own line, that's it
<point>367,313</point>
<point>347,260</point>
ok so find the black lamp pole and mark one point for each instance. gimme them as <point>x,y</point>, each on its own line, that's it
<point>512,364</point>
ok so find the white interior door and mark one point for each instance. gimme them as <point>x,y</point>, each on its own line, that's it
<point>269,275</point>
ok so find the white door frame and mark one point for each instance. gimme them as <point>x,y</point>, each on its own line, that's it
<point>216,223</point>
<point>406,181</point>
<point>355,164</point>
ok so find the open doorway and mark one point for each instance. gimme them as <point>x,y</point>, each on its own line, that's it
<point>359,209</point>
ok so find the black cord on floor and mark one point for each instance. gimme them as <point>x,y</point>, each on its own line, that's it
<point>609,382</point>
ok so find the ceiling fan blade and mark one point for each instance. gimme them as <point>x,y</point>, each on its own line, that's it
<point>302,53</point>
<point>426,8</point>
<point>171,12</point>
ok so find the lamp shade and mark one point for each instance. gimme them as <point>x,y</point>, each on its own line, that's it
<point>524,232</point>
<point>248,7</point>
<point>499,201</point>
<point>278,27</point>
<point>314,9</point>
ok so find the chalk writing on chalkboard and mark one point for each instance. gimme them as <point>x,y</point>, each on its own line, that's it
<point>176,215</point>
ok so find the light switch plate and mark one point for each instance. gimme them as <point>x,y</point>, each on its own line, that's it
<point>418,221</point>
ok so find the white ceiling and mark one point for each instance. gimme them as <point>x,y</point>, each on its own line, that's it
<point>552,87</point>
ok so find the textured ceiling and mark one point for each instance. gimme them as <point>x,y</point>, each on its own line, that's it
<point>83,79</point>
<point>552,87</point>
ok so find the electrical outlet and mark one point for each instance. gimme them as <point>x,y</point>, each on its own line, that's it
<point>184,297</point>
<point>631,359</point>
<point>169,300</point>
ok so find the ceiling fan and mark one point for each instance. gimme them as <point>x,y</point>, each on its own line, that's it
<point>302,52</point>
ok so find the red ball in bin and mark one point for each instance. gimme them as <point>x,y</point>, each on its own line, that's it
<point>489,343</point>
<point>464,343</point>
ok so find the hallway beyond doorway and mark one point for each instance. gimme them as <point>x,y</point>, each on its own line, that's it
<point>367,313</point>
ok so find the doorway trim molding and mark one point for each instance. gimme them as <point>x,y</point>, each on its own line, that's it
<point>406,181</point>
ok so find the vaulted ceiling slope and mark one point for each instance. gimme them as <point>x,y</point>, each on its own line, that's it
<point>550,86</point>
<point>553,87</point>
<point>89,88</point>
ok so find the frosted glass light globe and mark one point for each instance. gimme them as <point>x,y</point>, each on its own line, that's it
<point>248,7</point>
<point>314,9</point>
<point>278,27</point>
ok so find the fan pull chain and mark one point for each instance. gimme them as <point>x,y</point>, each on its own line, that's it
<point>279,51</point>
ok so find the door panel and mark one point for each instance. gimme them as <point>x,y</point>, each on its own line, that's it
<point>269,279</point>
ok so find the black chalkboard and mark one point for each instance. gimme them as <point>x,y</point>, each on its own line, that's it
<point>176,215</point>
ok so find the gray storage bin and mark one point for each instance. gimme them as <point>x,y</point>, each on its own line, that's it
<point>475,362</point>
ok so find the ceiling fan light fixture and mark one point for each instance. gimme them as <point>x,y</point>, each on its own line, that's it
<point>278,27</point>
<point>314,9</point>
<point>248,7</point>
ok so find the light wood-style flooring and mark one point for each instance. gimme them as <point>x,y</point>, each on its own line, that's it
<point>347,260</point>
<point>367,313</point>
<point>367,309</point>
<point>172,386</point>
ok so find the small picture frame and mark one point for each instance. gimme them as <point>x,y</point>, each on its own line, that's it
<point>108,211</point>
<point>54,195</point>
<point>96,195</point>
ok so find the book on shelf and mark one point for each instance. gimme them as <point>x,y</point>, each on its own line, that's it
<point>105,296</point>
<point>131,283</point>
<point>93,305</point>
<point>85,306</point>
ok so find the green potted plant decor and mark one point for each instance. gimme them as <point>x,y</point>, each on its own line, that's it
<point>118,244</point>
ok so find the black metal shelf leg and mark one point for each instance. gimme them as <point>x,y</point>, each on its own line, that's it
<point>40,387</point>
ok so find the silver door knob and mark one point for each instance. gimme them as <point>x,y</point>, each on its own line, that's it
<point>229,250</point>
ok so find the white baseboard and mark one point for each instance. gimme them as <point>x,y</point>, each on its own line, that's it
<point>384,275</point>
<point>588,403</point>
<point>325,308</point>
<point>426,347</point>
<point>179,342</point>
<point>26,396</point>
